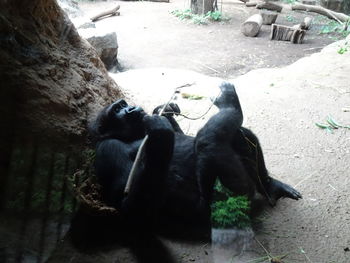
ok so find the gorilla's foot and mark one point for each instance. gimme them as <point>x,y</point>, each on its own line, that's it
<point>277,190</point>
<point>228,97</point>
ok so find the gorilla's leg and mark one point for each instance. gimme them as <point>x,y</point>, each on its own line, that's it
<point>229,99</point>
<point>215,154</point>
<point>248,148</point>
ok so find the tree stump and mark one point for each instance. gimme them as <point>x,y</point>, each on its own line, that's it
<point>252,25</point>
<point>286,33</point>
<point>306,23</point>
<point>201,7</point>
<point>268,17</point>
<point>269,6</point>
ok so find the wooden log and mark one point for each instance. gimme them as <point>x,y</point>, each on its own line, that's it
<point>286,33</point>
<point>268,17</point>
<point>298,26</point>
<point>112,12</point>
<point>340,17</point>
<point>252,25</point>
<point>269,6</point>
<point>252,4</point>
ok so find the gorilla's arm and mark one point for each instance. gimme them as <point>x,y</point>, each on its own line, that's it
<point>112,166</point>
<point>114,159</point>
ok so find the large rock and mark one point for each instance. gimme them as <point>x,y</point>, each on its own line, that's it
<point>106,45</point>
<point>52,81</point>
<point>71,7</point>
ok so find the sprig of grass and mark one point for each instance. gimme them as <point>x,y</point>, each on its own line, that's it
<point>191,96</point>
<point>344,48</point>
<point>331,125</point>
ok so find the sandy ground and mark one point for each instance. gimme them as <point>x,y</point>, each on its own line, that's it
<point>282,109</point>
<point>280,104</point>
<point>150,36</point>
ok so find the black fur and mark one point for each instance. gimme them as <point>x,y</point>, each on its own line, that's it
<point>173,186</point>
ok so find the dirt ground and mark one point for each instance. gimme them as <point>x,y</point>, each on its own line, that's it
<point>281,105</point>
<point>150,36</point>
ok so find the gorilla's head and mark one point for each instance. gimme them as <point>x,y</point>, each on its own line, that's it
<point>119,121</point>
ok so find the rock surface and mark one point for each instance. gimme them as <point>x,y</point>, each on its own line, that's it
<point>71,7</point>
<point>106,45</point>
<point>53,80</point>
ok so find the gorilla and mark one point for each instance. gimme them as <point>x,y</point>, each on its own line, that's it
<point>173,185</point>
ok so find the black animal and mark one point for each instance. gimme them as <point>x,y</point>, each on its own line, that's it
<point>173,185</point>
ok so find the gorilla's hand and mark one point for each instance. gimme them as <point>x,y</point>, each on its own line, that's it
<point>160,142</point>
<point>156,124</point>
<point>170,110</point>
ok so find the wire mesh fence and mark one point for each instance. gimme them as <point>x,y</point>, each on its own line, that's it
<point>36,198</point>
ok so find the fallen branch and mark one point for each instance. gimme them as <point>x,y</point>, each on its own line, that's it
<point>340,17</point>
<point>252,4</point>
<point>112,12</point>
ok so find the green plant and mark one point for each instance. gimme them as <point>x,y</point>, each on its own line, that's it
<point>344,48</point>
<point>229,211</point>
<point>289,1</point>
<point>198,19</point>
<point>215,15</point>
<point>335,27</point>
<point>182,14</point>
<point>290,18</point>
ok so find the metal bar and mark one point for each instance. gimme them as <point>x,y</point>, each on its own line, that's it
<point>46,214</point>
<point>63,197</point>
<point>5,160</point>
<point>27,201</point>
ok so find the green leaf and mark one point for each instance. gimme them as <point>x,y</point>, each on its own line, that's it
<point>322,126</point>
